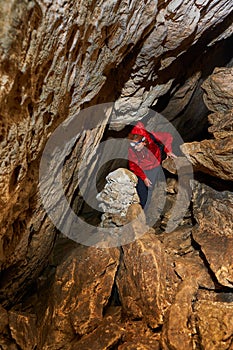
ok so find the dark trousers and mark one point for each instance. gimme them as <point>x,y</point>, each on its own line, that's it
<point>144,192</point>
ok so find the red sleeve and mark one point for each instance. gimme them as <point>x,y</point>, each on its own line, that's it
<point>166,138</point>
<point>133,165</point>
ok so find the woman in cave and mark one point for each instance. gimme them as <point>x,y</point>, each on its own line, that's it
<point>145,157</point>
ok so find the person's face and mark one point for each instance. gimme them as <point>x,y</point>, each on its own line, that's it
<point>138,144</point>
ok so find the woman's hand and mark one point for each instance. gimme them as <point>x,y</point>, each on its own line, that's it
<point>171,155</point>
<point>147,182</point>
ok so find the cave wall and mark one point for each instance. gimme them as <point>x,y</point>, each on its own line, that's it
<point>58,57</point>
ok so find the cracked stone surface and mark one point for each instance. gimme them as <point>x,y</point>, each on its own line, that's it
<point>56,59</point>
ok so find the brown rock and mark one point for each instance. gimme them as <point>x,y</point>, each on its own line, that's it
<point>23,329</point>
<point>213,157</point>
<point>6,341</point>
<point>178,330</point>
<point>218,95</point>
<point>177,25</point>
<point>191,266</point>
<point>214,324</point>
<point>56,58</point>
<point>82,288</point>
<point>139,336</point>
<point>214,214</point>
<point>146,281</point>
<point>7,344</point>
<point>139,346</point>
<point>174,166</point>
<point>3,319</point>
<point>182,96</point>
<point>177,206</point>
<point>215,295</point>
<point>222,124</point>
<point>104,337</point>
<point>178,242</point>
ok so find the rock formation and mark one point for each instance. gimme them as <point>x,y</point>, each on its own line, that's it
<point>219,99</point>
<point>117,196</point>
<point>158,292</point>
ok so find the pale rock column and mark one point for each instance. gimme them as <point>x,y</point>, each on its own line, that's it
<point>117,196</point>
<point>123,214</point>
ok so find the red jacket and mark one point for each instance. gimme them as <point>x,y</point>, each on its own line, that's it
<point>150,157</point>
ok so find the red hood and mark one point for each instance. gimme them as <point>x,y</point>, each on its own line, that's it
<point>139,129</point>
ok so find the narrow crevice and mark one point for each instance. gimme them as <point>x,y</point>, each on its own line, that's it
<point>193,219</point>
<point>185,66</point>
<point>114,299</point>
<point>116,345</point>
<point>215,183</point>
<point>156,330</point>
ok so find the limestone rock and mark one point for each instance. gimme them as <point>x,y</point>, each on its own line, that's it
<point>58,57</point>
<point>213,212</point>
<point>218,94</point>
<point>123,215</point>
<point>178,25</point>
<point>177,332</point>
<point>179,329</point>
<point>215,156</point>
<point>177,242</point>
<point>139,346</point>
<point>222,123</point>
<point>215,324</point>
<point>117,196</point>
<point>138,335</point>
<point>146,281</point>
<point>23,330</point>
<point>82,288</point>
<point>7,344</point>
<point>105,336</point>
<point>3,320</point>
<point>176,210</point>
<point>6,341</point>
<point>182,96</point>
